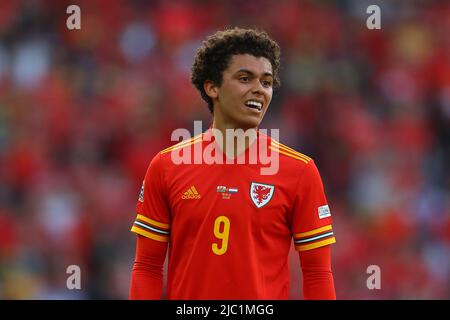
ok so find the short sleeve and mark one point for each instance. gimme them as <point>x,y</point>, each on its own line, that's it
<point>153,215</point>
<point>311,217</point>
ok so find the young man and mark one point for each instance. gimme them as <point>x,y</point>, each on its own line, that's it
<point>228,226</point>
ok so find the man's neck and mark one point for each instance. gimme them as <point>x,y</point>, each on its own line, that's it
<point>233,141</point>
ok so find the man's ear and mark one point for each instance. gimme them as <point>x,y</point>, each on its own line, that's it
<point>211,89</point>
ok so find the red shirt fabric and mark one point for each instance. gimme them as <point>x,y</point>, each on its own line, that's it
<point>228,227</point>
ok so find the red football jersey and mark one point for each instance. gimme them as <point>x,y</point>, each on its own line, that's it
<point>229,227</point>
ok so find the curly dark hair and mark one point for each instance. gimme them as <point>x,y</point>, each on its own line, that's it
<point>213,57</point>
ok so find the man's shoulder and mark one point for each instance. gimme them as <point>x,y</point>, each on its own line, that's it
<point>185,144</point>
<point>289,155</point>
<point>165,157</point>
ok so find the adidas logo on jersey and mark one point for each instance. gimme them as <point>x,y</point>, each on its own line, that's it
<point>191,193</point>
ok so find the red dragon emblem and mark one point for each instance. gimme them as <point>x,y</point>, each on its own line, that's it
<point>261,193</point>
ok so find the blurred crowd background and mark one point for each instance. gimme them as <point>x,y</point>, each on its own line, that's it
<point>82,112</point>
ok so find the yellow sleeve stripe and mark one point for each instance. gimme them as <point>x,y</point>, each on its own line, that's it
<point>313,232</point>
<point>183,144</point>
<point>149,234</point>
<point>315,244</point>
<point>286,148</point>
<point>152,222</point>
<point>288,154</point>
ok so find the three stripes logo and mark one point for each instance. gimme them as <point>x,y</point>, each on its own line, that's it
<point>191,193</point>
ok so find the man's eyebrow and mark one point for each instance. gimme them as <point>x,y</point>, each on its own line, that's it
<point>252,73</point>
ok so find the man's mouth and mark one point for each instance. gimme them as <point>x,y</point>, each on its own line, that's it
<point>254,104</point>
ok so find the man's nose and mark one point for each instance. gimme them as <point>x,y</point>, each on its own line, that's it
<point>257,87</point>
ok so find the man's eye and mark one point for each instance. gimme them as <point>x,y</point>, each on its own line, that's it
<point>266,83</point>
<point>244,79</point>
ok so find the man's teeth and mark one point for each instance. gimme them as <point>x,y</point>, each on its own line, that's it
<point>256,104</point>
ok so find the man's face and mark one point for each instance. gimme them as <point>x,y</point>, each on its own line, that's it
<point>245,93</point>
